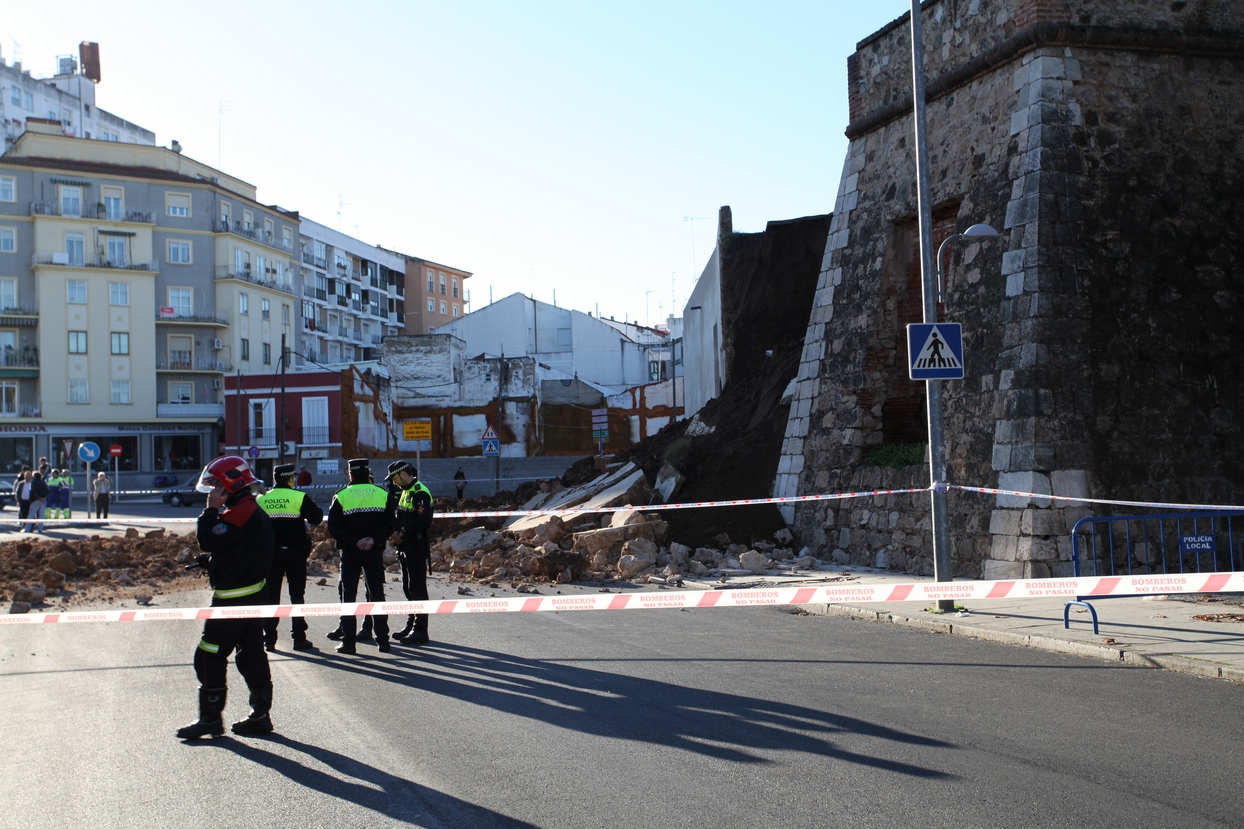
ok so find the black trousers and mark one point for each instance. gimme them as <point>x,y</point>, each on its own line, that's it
<point>414,575</point>
<point>290,567</point>
<point>221,637</point>
<point>370,565</point>
<point>101,505</point>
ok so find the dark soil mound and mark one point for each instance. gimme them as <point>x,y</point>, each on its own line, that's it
<point>768,281</point>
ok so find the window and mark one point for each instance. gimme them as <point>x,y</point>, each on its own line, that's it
<point>455,287</point>
<point>287,238</point>
<point>111,197</point>
<point>248,221</point>
<point>121,392</point>
<point>180,300</point>
<point>79,391</point>
<point>455,309</point>
<point>267,230</point>
<point>226,215</point>
<point>246,349</point>
<point>120,343</point>
<point>118,256</point>
<point>431,305</point>
<point>180,392</point>
<point>28,101</point>
<point>315,420</point>
<point>178,253</point>
<point>15,96</point>
<point>77,342</point>
<point>442,288</point>
<point>180,352</point>
<point>118,293</point>
<point>75,292</point>
<point>75,248</point>
<point>260,265</point>
<point>70,200</point>
<point>8,294</point>
<point>266,307</point>
<point>285,313</point>
<point>8,398</point>
<point>442,306</point>
<point>431,282</point>
<point>177,204</point>
<point>8,240</point>
<point>267,354</point>
<point>563,336</point>
<point>8,188</point>
<point>244,303</point>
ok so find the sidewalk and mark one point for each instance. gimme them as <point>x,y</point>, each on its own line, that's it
<point>1148,631</point>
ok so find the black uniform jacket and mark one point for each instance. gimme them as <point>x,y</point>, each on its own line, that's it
<point>240,541</point>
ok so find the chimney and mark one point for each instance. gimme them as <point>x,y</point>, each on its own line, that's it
<point>725,224</point>
<point>175,146</point>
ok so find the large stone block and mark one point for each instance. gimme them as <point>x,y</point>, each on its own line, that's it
<point>1041,522</point>
<point>1001,570</point>
<point>1034,482</point>
<point>1004,522</point>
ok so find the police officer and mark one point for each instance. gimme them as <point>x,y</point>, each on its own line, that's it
<point>361,522</point>
<point>237,543</point>
<point>291,510</point>
<point>414,550</point>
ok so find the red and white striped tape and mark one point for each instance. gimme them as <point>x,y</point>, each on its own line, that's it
<point>683,599</point>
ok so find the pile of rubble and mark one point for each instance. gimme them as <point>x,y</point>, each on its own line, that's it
<point>98,568</point>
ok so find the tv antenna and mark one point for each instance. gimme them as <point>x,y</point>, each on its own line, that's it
<point>693,220</point>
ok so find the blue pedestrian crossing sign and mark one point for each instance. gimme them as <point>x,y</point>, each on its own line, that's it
<point>88,451</point>
<point>935,351</point>
<point>492,448</point>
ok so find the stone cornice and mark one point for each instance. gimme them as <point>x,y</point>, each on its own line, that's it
<point>1207,44</point>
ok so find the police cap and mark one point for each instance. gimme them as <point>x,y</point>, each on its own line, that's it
<point>281,472</point>
<point>400,466</point>
<point>360,465</point>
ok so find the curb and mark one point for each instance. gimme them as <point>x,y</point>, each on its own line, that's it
<point>1107,653</point>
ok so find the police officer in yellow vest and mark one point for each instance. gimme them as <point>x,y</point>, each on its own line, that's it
<point>291,510</point>
<point>413,542</point>
<point>361,522</point>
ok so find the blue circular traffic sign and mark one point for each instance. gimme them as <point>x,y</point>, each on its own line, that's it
<point>88,451</point>
<point>253,452</point>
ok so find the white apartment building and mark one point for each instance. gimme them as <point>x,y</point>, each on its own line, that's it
<point>353,296</point>
<point>66,101</point>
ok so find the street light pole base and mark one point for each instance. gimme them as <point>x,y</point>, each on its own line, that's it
<point>946,605</point>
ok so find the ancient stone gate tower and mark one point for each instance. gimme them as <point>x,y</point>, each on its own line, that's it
<point>1105,139</point>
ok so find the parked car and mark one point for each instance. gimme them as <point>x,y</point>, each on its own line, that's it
<point>8,498</point>
<point>183,495</point>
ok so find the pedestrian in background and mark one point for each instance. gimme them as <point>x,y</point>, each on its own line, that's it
<point>360,521</point>
<point>237,541</point>
<point>304,478</point>
<point>38,502</point>
<point>21,491</point>
<point>66,494</point>
<point>53,504</point>
<point>100,490</point>
<point>291,510</point>
<point>460,480</point>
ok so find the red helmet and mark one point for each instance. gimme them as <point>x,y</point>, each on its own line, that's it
<point>230,471</point>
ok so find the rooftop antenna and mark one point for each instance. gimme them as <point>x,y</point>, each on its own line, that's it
<point>220,119</point>
<point>17,50</point>
<point>693,220</point>
<point>341,202</point>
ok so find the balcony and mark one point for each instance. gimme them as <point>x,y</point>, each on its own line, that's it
<point>64,260</point>
<point>249,231</point>
<point>260,436</point>
<point>25,315</point>
<point>185,410</point>
<point>377,339</point>
<point>357,336</point>
<point>342,331</point>
<point>194,318</point>
<point>401,320</point>
<point>246,275</point>
<point>308,291</point>
<point>343,301</point>
<point>315,435</point>
<point>185,361</point>
<point>91,212</point>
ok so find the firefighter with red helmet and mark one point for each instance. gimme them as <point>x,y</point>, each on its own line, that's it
<point>236,537</point>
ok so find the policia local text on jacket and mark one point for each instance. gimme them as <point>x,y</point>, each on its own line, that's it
<point>360,520</point>
<point>238,542</point>
<point>413,521</point>
<point>291,510</point>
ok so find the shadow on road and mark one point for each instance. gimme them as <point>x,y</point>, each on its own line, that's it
<point>367,786</point>
<point>725,726</point>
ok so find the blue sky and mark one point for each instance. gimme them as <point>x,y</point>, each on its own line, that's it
<point>551,148</point>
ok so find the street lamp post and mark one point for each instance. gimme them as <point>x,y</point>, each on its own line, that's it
<point>932,285</point>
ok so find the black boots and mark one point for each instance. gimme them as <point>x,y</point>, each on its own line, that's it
<point>211,704</point>
<point>259,721</point>
<point>419,636</point>
<point>406,631</point>
<point>269,640</point>
<point>364,633</point>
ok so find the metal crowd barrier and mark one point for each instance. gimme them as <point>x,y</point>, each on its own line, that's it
<point>1162,546</point>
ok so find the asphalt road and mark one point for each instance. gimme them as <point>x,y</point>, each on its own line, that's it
<point>730,717</point>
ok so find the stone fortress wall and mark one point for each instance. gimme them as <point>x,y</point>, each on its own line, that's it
<point>1104,139</point>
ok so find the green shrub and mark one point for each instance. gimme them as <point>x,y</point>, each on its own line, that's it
<point>896,454</point>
